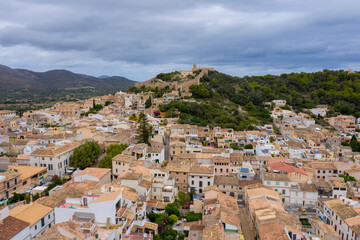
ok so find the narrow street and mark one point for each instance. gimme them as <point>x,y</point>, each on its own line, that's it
<point>247,230</point>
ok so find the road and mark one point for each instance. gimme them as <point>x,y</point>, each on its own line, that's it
<point>247,230</point>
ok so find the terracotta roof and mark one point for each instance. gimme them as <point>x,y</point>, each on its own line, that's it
<point>281,166</point>
<point>215,232</point>
<point>28,171</point>
<point>273,231</point>
<point>276,177</point>
<point>145,184</point>
<point>218,159</point>
<point>30,213</point>
<point>23,157</point>
<point>10,226</point>
<point>226,180</point>
<point>55,150</point>
<point>106,197</point>
<point>10,174</point>
<point>343,210</point>
<point>123,158</point>
<point>307,187</point>
<point>95,172</point>
<point>132,196</point>
<point>174,167</point>
<point>201,170</point>
<point>324,165</point>
<point>130,176</point>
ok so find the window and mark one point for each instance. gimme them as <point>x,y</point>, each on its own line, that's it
<point>8,184</point>
<point>50,167</point>
<point>35,227</point>
<point>283,191</point>
<point>192,182</point>
<point>49,216</point>
<point>15,181</point>
<point>208,183</point>
<point>24,183</point>
<point>200,184</point>
<point>277,183</point>
<point>42,222</point>
<point>267,183</point>
<point>286,184</point>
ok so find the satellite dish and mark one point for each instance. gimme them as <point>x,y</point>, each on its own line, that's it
<point>145,235</point>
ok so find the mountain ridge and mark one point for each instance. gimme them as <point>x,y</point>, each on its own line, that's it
<point>13,78</point>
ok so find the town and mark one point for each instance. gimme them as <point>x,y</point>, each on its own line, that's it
<point>118,167</point>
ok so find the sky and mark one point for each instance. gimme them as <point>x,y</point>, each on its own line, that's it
<point>139,39</point>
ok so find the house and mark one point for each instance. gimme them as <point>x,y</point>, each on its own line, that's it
<point>120,163</point>
<point>303,195</point>
<point>199,178</point>
<point>180,173</point>
<point>324,170</point>
<point>336,213</point>
<point>9,183</point>
<point>39,217</point>
<point>163,186</point>
<point>323,230</point>
<point>156,155</point>
<point>7,114</point>
<point>343,123</point>
<point>55,158</point>
<point>279,103</point>
<point>29,176</point>
<point>13,228</point>
<point>100,175</point>
<point>221,165</point>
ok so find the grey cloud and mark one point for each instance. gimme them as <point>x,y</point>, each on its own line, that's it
<point>242,37</point>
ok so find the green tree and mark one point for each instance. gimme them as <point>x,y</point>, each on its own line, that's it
<point>172,209</point>
<point>144,130</point>
<point>193,217</point>
<point>172,219</point>
<point>111,151</point>
<point>148,102</point>
<point>107,103</point>
<point>248,146</point>
<point>272,139</point>
<point>85,154</point>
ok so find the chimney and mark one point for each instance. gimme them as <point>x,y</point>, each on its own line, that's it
<point>108,223</point>
<point>31,199</point>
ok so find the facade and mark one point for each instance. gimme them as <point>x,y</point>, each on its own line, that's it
<point>199,178</point>
<point>10,182</point>
<point>121,163</point>
<point>29,176</point>
<point>100,175</point>
<point>56,158</point>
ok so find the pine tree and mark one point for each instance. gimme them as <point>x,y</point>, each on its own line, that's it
<point>144,130</point>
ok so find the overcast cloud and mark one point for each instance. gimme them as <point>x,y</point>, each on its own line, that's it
<point>138,39</point>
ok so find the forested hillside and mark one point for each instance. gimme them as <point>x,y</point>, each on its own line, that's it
<point>220,95</point>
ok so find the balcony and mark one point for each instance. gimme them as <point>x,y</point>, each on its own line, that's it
<point>120,211</point>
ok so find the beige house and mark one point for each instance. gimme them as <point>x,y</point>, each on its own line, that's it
<point>180,173</point>
<point>10,182</point>
<point>121,163</point>
<point>30,176</point>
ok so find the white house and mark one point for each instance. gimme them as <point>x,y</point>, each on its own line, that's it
<point>199,178</point>
<point>13,228</point>
<point>303,195</point>
<point>39,217</point>
<point>55,158</point>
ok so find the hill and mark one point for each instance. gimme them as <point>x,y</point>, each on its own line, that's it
<point>23,89</point>
<point>57,79</point>
<point>238,102</point>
